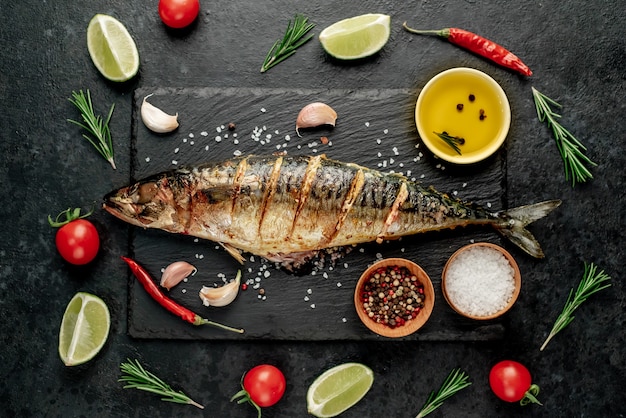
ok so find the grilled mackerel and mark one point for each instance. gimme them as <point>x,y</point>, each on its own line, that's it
<point>287,209</point>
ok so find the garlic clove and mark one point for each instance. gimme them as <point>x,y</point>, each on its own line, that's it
<point>157,120</point>
<point>221,296</point>
<point>315,114</point>
<point>175,273</point>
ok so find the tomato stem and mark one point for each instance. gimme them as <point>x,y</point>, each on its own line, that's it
<point>67,216</point>
<point>531,396</point>
<point>243,396</point>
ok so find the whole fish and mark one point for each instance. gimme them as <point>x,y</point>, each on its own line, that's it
<point>288,209</point>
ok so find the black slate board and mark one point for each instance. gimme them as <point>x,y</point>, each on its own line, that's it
<point>375,128</point>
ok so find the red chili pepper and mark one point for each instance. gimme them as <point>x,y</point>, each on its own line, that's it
<point>153,290</point>
<point>479,45</point>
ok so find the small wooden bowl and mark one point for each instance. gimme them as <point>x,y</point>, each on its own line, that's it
<point>516,277</point>
<point>411,325</point>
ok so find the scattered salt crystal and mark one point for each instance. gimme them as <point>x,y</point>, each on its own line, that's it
<point>236,153</point>
<point>174,162</point>
<point>184,140</point>
<point>309,291</point>
<point>312,306</point>
<point>191,142</point>
<point>191,135</point>
<point>338,284</point>
<point>378,141</point>
<point>345,265</point>
<point>386,131</point>
<point>184,291</point>
<point>147,159</point>
<point>344,320</point>
<point>367,124</point>
<point>488,204</point>
<point>325,275</point>
<point>306,298</point>
<point>218,138</point>
<point>480,281</point>
<point>236,142</point>
<point>176,150</point>
<point>464,184</point>
<point>206,148</point>
<point>204,133</point>
<point>263,110</point>
<point>395,151</point>
<point>235,135</point>
<point>287,137</point>
<point>218,129</point>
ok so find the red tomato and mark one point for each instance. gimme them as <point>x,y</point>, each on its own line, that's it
<point>511,382</point>
<point>78,241</point>
<point>178,13</point>
<point>265,385</point>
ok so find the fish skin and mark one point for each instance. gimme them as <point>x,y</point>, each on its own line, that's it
<point>287,209</point>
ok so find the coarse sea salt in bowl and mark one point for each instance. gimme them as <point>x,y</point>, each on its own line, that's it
<point>394,284</point>
<point>481,281</point>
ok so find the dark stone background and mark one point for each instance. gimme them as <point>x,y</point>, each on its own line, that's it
<point>578,54</point>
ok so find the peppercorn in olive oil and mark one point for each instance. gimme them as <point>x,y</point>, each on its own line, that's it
<point>465,107</point>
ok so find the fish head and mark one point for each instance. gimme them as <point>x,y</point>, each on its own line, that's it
<point>148,203</point>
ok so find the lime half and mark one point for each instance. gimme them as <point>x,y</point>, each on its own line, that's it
<point>338,389</point>
<point>112,49</point>
<point>84,329</point>
<point>356,37</point>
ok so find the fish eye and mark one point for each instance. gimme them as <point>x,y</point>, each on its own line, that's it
<point>146,192</point>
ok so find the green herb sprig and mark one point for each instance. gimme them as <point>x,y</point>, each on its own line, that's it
<point>570,148</point>
<point>452,141</point>
<point>136,377</point>
<point>455,381</point>
<point>292,40</point>
<point>591,283</point>
<point>95,125</point>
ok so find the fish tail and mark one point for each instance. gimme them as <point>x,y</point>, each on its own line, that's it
<point>514,222</point>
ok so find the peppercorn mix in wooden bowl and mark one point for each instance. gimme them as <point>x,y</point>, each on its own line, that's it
<point>394,297</point>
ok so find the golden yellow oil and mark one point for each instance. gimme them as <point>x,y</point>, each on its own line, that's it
<point>454,104</point>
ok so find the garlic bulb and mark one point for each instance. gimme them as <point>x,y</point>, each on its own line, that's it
<point>157,120</point>
<point>315,114</point>
<point>221,296</point>
<point>175,273</point>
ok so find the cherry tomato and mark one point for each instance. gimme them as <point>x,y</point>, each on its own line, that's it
<point>262,386</point>
<point>178,13</point>
<point>511,382</point>
<point>265,384</point>
<point>78,242</point>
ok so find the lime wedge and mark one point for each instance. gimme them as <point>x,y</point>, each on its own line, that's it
<point>356,37</point>
<point>338,389</point>
<point>112,49</point>
<point>84,329</point>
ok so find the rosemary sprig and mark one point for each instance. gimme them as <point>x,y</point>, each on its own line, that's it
<point>292,39</point>
<point>590,284</point>
<point>135,376</point>
<point>452,141</point>
<point>95,125</point>
<point>570,148</point>
<point>455,381</point>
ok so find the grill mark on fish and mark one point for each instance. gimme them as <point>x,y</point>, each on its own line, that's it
<point>269,191</point>
<point>356,186</point>
<point>240,172</point>
<point>394,212</point>
<point>305,189</point>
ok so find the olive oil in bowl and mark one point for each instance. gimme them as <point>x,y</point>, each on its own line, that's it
<point>467,106</point>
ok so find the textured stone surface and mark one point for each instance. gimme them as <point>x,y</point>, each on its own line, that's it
<point>578,54</point>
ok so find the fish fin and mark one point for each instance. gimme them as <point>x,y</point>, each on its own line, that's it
<point>515,220</point>
<point>234,252</point>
